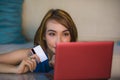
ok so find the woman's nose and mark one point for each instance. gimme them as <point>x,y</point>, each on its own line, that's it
<point>59,39</point>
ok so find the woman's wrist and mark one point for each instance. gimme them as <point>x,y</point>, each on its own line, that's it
<point>14,70</point>
<point>6,68</point>
<point>18,69</point>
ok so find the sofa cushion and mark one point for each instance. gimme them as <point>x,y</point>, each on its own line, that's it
<point>11,22</point>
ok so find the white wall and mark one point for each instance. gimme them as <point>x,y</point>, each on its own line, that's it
<point>95,19</point>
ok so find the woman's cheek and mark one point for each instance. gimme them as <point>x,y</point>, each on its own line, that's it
<point>51,44</point>
<point>66,39</point>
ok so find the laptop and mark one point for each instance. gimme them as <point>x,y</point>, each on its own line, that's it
<point>83,60</point>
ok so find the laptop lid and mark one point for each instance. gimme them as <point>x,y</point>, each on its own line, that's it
<point>83,60</point>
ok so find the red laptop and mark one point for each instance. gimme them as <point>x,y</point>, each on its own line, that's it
<point>83,60</point>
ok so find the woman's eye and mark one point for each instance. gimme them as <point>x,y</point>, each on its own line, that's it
<point>66,34</point>
<point>51,34</point>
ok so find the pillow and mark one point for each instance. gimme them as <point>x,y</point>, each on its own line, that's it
<point>11,22</point>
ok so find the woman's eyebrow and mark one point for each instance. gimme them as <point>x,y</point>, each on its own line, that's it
<point>51,30</point>
<point>55,31</point>
<point>65,30</point>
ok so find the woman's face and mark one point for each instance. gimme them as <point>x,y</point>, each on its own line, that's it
<point>56,33</point>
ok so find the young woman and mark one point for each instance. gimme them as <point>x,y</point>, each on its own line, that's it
<point>57,26</point>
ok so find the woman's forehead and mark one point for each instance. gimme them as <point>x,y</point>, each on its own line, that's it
<point>54,25</point>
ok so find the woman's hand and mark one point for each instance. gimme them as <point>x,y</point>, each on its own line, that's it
<point>52,61</point>
<point>27,64</point>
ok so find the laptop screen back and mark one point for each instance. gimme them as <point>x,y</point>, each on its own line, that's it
<point>83,60</point>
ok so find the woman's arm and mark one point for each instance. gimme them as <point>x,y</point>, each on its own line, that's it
<point>27,64</point>
<point>7,68</point>
<point>18,61</point>
<point>14,57</point>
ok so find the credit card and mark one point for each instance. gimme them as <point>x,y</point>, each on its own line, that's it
<point>40,53</point>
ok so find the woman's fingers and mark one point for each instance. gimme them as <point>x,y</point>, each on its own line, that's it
<point>52,61</point>
<point>31,63</point>
<point>34,56</point>
<point>26,65</point>
<point>22,67</point>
